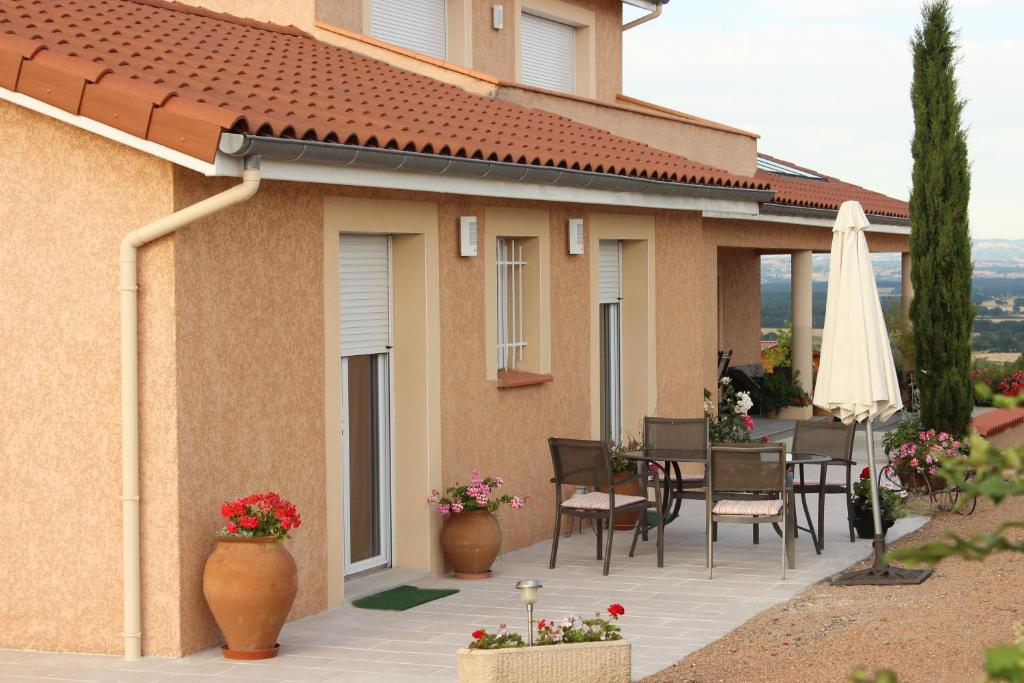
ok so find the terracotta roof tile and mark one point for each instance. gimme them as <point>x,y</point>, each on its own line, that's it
<point>180,75</point>
<point>827,193</point>
<point>996,421</point>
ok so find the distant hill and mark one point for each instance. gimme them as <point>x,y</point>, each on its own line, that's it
<point>997,289</point>
<point>993,258</point>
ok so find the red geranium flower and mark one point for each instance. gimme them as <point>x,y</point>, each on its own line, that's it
<point>865,473</point>
<point>232,528</point>
<point>248,522</point>
<point>616,610</point>
<point>541,624</point>
<point>478,634</point>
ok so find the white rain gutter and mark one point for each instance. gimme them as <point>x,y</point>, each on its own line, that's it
<point>644,19</point>
<point>129,295</point>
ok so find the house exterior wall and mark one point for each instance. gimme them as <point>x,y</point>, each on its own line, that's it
<point>739,296</point>
<point>66,199</point>
<point>236,375</point>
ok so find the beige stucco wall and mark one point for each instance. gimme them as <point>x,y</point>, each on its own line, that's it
<point>66,198</point>
<point>739,304</point>
<point>250,377</point>
<point>681,319</point>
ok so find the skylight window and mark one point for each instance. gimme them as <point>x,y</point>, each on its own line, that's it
<point>772,166</point>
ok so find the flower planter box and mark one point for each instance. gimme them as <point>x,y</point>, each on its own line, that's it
<point>795,413</point>
<point>607,662</point>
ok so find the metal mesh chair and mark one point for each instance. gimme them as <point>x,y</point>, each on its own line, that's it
<point>835,440</point>
<point>588,463</point>
<point>690,433</point>
<point>758,469</point>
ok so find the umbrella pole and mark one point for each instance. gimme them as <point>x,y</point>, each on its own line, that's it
<point>876,516</point>
<point>880,573</point>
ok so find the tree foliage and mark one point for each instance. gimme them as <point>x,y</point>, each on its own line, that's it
<point>940,243</point>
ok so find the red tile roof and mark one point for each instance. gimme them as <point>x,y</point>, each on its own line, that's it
<point>828,193</point>
<point>995,421</point>
<point>180,76</point>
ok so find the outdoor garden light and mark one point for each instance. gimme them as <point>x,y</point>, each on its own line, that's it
<point>529,591</point>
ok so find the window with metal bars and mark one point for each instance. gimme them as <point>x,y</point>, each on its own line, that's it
<point>511,307</point>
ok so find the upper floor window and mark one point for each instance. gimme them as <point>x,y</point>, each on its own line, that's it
<point>419,25</point>
<point>548,50</point>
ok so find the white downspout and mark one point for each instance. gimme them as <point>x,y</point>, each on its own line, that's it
<point>644,19</point>
<point>130,385</point>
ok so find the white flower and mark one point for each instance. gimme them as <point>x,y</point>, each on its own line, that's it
<point>743,402</point>
<point>725,381</point>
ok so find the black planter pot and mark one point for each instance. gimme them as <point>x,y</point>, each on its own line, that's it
<point>865,526</point>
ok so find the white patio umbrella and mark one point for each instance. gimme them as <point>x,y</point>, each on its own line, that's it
<point>856,376</point>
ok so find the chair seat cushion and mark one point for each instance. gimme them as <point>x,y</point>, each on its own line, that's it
<point>692,479</point>
<point>748,508</point>
<point>595,500</point>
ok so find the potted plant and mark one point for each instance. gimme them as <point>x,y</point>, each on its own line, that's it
<point>623,468</point>
<point>732,423</point>
<point>860,500</point>
<point>573,649</point>
<point>471,536</point>
<point>250,578</point>
<point>915,454</point>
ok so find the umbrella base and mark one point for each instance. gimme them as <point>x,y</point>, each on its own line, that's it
<point>882,574</point>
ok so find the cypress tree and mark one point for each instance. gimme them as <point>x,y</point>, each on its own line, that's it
<point>940,245</point>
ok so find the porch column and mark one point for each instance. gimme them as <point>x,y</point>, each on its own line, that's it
<point>800,280</point>
<point>907,289</point>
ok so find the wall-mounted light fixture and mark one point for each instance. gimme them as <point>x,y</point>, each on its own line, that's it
<point>467,236</point>
<point>576,236</point>
<point>498,17</point>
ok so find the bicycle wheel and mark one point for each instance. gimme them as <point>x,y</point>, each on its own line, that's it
<point>968,505</point>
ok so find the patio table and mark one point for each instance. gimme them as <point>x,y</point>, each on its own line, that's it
<point>668,460</point>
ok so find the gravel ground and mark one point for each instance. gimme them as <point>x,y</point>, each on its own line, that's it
<point>932,633</point>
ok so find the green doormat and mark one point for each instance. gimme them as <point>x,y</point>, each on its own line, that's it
<point>402,598</point>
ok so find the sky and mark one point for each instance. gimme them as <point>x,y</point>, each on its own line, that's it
<point>826,84</point>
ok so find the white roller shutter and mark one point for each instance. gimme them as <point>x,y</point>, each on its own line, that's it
<point>420,25</point>
<point>365,294</point>
<point>610,266</point>
<point>549,53</point>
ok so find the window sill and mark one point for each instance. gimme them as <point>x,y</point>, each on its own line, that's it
<point>510,379</point>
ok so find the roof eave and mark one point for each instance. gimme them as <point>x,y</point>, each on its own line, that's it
<point>780,209</point>
<point>335,155</point>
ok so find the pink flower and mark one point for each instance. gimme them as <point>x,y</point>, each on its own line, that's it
<point>498,481</point>
<point>517,503</point>
<point>475,475</point>
<point>913,462</point>
<point>443,509</point>
<point>457,506</point>
<point>748,422</point>
<point>482,501</point>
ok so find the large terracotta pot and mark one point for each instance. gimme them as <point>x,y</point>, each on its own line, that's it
<point>627,520</point>
<point>250,585</point>
<point>471,541</point>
